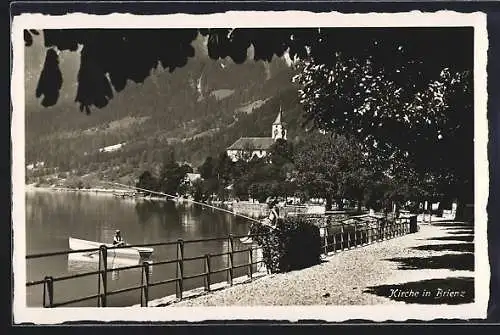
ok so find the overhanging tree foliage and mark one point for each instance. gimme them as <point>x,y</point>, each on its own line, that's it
<point>428,132</point>
<point>111,57</point>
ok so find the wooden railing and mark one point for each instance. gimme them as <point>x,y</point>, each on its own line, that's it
<point>335,238</point>
<point>102,273</point>
<point>342,236</point>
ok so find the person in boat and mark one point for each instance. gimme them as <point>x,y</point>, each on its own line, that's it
<point>270,221</point>
<point>118,239</point>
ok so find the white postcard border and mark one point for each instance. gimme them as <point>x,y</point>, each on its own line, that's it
<point>396,311</point>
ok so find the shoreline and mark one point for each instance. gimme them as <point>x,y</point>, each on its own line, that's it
<point>121,193</point>
<point>69,189</point>
<point>125,194</point>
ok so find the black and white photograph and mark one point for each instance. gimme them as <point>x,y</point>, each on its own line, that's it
<point>249,165</point>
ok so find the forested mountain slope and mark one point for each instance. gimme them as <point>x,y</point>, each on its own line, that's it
<point>194,112</point>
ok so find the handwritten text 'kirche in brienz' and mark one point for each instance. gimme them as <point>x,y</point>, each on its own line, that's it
<point>437,293</point>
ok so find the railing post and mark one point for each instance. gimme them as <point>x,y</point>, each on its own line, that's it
<point>334,242</point>
<point>362,235</point>
<point>103,271</point>
<point>385,229</point>
<point>250,263</point>
<point>382,229</point>
<point>325,232</point>
<point>99,280</point>
<point>180,269</point>
<point>145,284</point>
<point>356,240</point>
<point>142,287</point>
<point>367,232</point>
<point>230,258</point>
<point>207,271</point>
<point>348,240</point>
<point>342,246</point>
<point>48,292</point>
<point>380,232</point>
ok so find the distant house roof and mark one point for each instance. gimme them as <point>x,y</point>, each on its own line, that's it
<point>112,147</point>
<point>193,176</point>
<point>252,143</point>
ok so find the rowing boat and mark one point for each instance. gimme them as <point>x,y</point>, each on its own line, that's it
<point>125,252</point>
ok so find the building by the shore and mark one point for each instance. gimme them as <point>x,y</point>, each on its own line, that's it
<point>250,147</point>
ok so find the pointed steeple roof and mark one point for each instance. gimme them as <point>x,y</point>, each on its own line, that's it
<point>278,118</point>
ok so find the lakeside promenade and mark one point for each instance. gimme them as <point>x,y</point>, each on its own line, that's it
<point>438,258</point>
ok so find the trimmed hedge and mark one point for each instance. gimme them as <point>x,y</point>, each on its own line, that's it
<point>294,244</point>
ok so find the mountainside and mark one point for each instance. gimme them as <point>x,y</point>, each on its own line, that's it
<point>195,111</point>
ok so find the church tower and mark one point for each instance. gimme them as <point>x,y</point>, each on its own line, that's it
<point>279,128</point>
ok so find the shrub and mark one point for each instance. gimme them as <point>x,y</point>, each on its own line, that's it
<point>294,244</point>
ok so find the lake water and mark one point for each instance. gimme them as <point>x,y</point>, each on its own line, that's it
<point>53,217</point>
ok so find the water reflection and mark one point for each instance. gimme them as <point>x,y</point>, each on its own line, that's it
<point>80,263</point>
<point>53,217</point>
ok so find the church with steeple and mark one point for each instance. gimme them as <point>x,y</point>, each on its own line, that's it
<point>250,147</point>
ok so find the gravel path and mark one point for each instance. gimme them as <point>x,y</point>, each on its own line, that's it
<point>343,278</point>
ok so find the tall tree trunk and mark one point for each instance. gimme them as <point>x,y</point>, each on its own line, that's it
<point>397,209</point>
<point>465,196</point>
<point>340,203</point>
<point>461,213</point>
<point>430,211</point>
<point>329,202</point>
